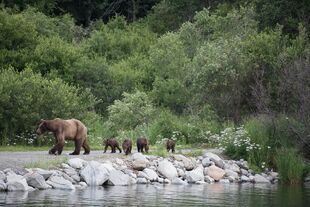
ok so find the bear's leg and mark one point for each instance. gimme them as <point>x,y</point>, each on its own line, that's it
<point>113,149</point>
<point>120,151</point>
<point>60,146</point>
<point>105,148</point>
<point>78,144</point>
<point>86,147</point>
<point>173,149</point>
<point>53,150</point>
<point>129,150</point>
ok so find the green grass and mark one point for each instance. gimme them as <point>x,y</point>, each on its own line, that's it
<point>290,166</point>
<point>46,164</point>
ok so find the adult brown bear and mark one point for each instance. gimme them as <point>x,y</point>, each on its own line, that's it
<point>113,143</point>
<point>127,146</point>
<point>142,143</point>
<point>71,129</point>
<point>170,145</point>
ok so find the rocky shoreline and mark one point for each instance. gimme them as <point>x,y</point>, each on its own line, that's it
<point>134,169</point>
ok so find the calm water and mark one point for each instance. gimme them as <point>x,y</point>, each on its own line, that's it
<point>169,195</point>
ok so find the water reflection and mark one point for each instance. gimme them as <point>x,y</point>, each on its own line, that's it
<point>169,195</point>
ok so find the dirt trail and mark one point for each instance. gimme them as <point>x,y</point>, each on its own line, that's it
<point>19,160</point>
<point>22,159</point>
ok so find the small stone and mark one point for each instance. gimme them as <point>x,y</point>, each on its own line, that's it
<point>2,176</point>
<point>141,181</point>
<point>200,182</point>
<point>260,179</point>
<point>76,163</point>
<point>230,173</point>
<point>181,173</point>
<point>208,179</point>
<point>151,174</point>
<point>45,173</point>
<point>195,175</point>
<point>224,181</point>
<point>160,180</point>
<point>189,163</point>
<point>244,172</point>
<point>3,186</point>
<point>167,181</point>
<point>206,162</point>
<point>83,184</point>
<point>178,181</point>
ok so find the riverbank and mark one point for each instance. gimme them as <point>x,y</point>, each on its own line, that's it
<point>77,173</point>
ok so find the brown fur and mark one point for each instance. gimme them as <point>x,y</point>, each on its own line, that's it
<point>127,146</point>
<point>142,143</point>
<point>170,145</point>
<point>71,129</point>
<point>113,143</point>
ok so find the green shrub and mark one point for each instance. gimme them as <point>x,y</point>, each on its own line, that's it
<point>133,110</point>
<point>259,129</point>
<point>26,97</point>
<point>289,165</point>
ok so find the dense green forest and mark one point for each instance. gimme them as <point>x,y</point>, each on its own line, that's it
<point>235,74</point>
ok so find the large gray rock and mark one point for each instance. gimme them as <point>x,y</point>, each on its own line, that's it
<point>214,158</point>
<point>178,181</point>
<point>77,163</point>
<point>36,180</point>
<point>17,183</point>
<point>67,177</point>
<point>232,166</point>
<point>231,173</point>
<point>195,175</point>
<point>117,177</point>
<point>45,173</point>
<point>59,182</point>
<point>139,161</point>
<point>2,176</point>
<point>260,179</point>
<point>215,172</point>
<point>72,173</point>
<point>151,174</point>
<point>206,162</point>
<point>138,156</point>
<point>109,166</point>
<point>95,173</point>
<point>139,164</point>
<point>189,163</point>
<point>3,185</point>
<point>244,172</point>
<point>181,172</point>
<point>243,164</point>
<point>244,178</point>
<point>166,169</point>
